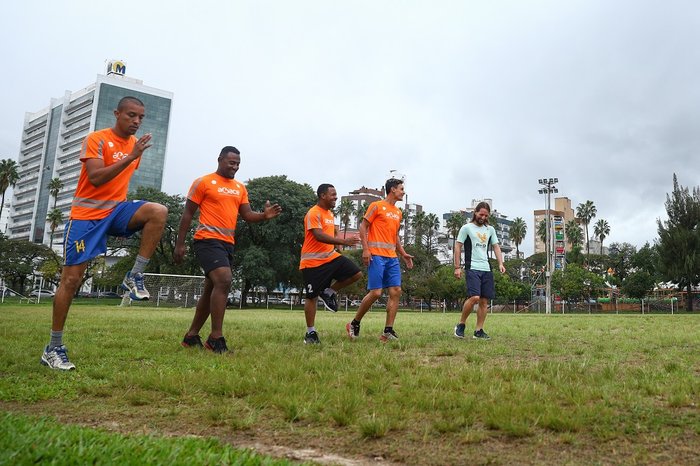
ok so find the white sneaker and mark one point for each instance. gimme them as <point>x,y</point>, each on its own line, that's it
<point>57,358</point>
<point>136,287</point>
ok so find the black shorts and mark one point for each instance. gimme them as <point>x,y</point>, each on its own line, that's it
<point>317,279</point>
<point>213,253</point>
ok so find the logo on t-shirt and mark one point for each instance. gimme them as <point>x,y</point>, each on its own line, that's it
<point>328,221</point>
<point>229,191</point>
<point>119,155</point>
<point>392,215</point>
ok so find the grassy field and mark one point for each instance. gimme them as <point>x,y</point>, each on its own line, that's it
<point>554,389</point>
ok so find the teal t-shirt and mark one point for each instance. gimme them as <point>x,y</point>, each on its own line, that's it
<point>477,239</point>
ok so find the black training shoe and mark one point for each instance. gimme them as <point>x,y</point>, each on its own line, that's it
<point>353,330</point>
<point>192,341</point>
<point>459,330</point>
<point>329,300</point>
<point>311,338</point>
<point>481,335</point>
<point>217,345</point>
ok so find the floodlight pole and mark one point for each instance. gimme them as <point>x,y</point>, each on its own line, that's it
<point>548,189</point>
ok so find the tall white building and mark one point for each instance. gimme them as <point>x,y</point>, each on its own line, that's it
<point>52,138</point>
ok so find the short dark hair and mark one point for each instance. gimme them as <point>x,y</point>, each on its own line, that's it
<point>228,149</point>
<point>129,98</point>
<point>323,189</point>
<point>479,206</point>
<point>391,183</point>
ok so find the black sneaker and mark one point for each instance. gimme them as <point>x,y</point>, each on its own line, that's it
<point>192,341</point>
<point>329,300</point>
<point>388,336</point>
<point>217,345</point>
<point>311,338</point>
<point>353,329</point>
<point>459,330</point>
<point>481,335</point>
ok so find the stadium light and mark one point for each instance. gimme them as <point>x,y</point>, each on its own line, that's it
<point>548,188</point>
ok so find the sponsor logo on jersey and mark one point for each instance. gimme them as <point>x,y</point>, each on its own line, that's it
<point>392,215</point>
<point>229,191</point>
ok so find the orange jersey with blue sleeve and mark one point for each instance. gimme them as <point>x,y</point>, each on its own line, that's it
<point>97,202</point>
<point>219,199</point>
<point>385,221</point>
<point>314,252</point>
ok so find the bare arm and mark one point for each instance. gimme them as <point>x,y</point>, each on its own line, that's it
<point>270,211</point>
<point>185,222</point>
<point>328,239</point>
<point>407,258</point>
<point>366,255</point>
<point>98,173</point>
<point>499,257</point>
<point>458,259</point>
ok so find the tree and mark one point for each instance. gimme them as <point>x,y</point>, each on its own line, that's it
<point>647,259</point>
<point>8,178</point>
<point>419,224</point>
<point>454,224</point>
<point>345,211</point>
<point>54,219</point>
<point>601,229</point>
<point>586,212</point>
<point>638,284</point>
<point>679,239</point>
<point>432,224</point>
<point>19,259</point>
<point>55,187</point>
<point>574,236</point>
<point>575,282</point>
<point>620,259</point>
<point>542,231</point>
<point>518,230</point>
<point>268,252</point>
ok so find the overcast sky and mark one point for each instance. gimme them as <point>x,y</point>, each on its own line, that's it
<point>468,99</point>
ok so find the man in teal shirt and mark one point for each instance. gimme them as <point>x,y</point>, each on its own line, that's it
<point>475,237</point>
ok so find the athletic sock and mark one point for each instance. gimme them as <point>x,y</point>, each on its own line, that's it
<point>310,329</point>
<point>330,291</point>
<point>140,264</point>
<point>56,338</point>
<point>388,329</point>
<point>355,322</point>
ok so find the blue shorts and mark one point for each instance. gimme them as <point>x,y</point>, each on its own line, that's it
<point>86,239</point>
<point>480,283</point>
<point>383,272</point>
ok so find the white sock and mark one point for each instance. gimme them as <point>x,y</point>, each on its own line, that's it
<point>310,329</point>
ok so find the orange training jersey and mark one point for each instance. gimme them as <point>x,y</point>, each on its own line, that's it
<point>219,199</point>
<point>385,221</point>
<point>314,252</point>
<point>96,202</point>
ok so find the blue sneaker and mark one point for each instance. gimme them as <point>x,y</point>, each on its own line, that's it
<point>57,358</point>
<point>135,286</point>
<point>459,330</point>
<point>481,335</point>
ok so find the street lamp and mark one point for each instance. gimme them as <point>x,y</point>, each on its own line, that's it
<point>548,188</point>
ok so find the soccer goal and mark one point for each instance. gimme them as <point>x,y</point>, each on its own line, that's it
<point>169,291</point>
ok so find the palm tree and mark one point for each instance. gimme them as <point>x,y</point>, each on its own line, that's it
<point>542,231</point>
<point>518,230</point>
<point>346,209</point>
<point>454,224</point>
<point>601,229</point>
<point>8,177</point>
<point>432,223</point>
<point>54,219</point>
<point>419,224</point>
<point>360,212</point>
<point>586,212</point>
<point>55,186</point>
<point>574,236</point>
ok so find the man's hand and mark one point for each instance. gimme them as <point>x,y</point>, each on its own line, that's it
<point>458,273</point>
<point>141,145</point>
<point>366,257</point>
<point>502,268</point>
<point>352,241</point>
<point>179,253</point>
<point>271,210</point>
<point>408,259</point>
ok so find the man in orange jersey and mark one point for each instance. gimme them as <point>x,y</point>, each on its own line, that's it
<point>379,233</point>
<point>99,209</point>
<point>220,198</point>
<point>321,263</point>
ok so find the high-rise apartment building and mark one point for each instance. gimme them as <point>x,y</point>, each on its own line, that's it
<point>52,139</point>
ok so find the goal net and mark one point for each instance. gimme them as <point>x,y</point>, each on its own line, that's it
<point>169,291</point>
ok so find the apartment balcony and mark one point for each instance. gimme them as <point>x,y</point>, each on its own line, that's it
<point>78,105</point>
<point>35,146</point>
<point>77,117</point>
<point>36,124</point>
<point>34,137</point>
<point>77,129</point>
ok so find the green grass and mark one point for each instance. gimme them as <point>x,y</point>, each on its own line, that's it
<point>572,388</point>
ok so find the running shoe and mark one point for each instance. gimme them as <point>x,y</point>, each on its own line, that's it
<point>136,287</point>
<point>353,330</point>
<point>459,330</point>
<point>481,335</point>
<point>311,338</point>
<point>329,300</point>
<point>192,341</point>
<point>388,336</point>
<point>57,358</point>
<point>217,345</point>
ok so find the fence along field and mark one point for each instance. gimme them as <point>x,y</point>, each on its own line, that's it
<point>548,389</point>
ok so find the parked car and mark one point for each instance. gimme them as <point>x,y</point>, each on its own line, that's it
<point>355,302</point>
<point>8,293</point>
<point>42,293</point>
